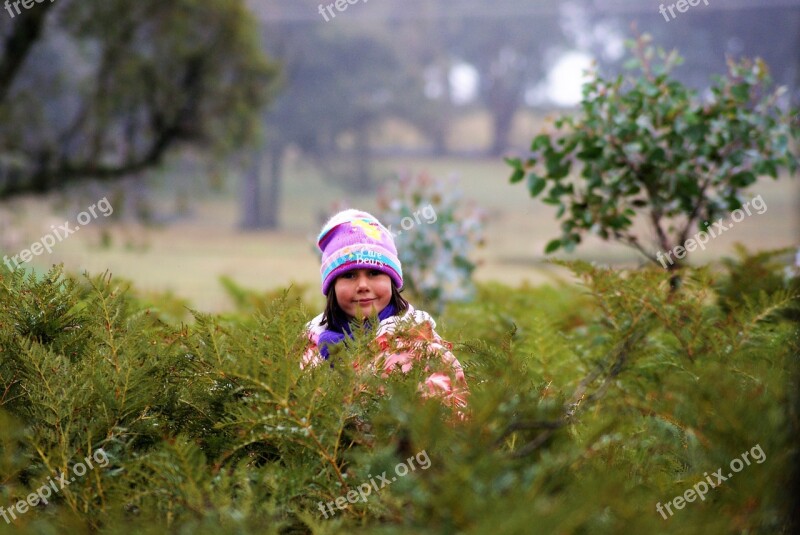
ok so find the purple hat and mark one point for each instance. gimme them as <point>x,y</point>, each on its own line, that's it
<point>353,239</point>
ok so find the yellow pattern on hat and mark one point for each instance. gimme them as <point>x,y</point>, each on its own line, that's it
<point>371,230</point>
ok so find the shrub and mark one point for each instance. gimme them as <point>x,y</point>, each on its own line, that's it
<point>436,231</point>
<point>650,148</point>
<point>589,406</point>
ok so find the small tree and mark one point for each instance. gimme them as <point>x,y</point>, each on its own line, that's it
<point>650,148</point>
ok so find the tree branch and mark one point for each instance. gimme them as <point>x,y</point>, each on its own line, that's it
<point>695,211</point>
<point>576,401</point>
<point>632,241</point>
<point>166,135</point>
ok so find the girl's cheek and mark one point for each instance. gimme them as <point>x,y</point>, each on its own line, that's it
<point>345,290</point>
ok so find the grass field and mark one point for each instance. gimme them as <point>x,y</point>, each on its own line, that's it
<point>188,256</point>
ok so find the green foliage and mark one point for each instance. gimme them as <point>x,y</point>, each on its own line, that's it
<point>754,276</point>
<point>649,148</point>
<point>588,406</point>
<point>436,232</point>
<point>247,302</point>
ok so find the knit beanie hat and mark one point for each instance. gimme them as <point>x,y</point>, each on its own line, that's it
<point>353,239</point>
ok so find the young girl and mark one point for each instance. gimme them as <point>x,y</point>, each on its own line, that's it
<point>361,275</point>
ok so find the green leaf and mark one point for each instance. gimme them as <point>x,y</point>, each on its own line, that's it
<point>555,168</point>
<point>744,179</point>
<point>767,167</point>
<point>518,175</point>
<point>552,246</point>
<point>741,91</point>
<point>516,163</point>
<point>591,152</point>
<point>631,64</point>
<point>542,141</point>
<point>536,184</point>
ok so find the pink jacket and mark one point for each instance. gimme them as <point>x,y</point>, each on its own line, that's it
<point>400,350</point>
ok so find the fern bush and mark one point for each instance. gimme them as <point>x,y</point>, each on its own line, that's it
<point>589,405</point>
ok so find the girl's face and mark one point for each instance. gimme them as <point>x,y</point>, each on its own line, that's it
<point>361,291</point>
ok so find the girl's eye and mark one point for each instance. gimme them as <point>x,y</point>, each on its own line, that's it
<point>348,275</point>
<point>376,272</point>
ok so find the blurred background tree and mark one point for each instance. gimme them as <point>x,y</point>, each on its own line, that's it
<point>335,87</point>
<point>511,60</point>
<point>103,90</point>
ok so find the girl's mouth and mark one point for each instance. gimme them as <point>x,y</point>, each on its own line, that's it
<point>363,301</point>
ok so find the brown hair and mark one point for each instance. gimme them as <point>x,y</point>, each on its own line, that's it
<point>336,318</point>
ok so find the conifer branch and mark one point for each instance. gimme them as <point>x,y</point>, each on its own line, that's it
<point>577,399</point>
<point>11,383</point>
<point>284,404</point>
<point>109,323</point>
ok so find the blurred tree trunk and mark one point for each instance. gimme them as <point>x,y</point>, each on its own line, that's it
<point>26,33</point>
<point>443,119</point>
<point>272,203</point>
<point>440,133</point>
<point>251,193</point>
<point>510,59</point>
<point>503,108</point>
<point>261,207</point>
